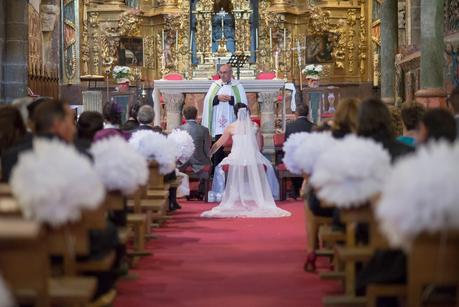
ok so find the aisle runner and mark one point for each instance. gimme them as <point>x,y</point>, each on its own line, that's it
<point>236,262</point>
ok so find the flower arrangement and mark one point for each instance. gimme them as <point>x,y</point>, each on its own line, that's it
<point>119,166</point>
<point>290,146</point>
<point>155,146</point>
<point>53,183</point>
<point>351,172</point>
<point>184,143</point>
<point>121,74</point>
<point>420,194</point>
<point>313,71</point>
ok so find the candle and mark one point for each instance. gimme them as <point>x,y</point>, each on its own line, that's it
<point>270,39</point>
<point>276,60</point>
<point>163,60</point>
<point>162,37</point>
<point>191,41</point>
<point>176,40</point>
<point>285,38</point>
<point>256,39</point>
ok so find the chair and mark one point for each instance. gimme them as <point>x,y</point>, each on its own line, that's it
<point>204,175</point>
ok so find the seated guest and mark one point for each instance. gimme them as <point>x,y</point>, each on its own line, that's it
<point>345,121</point>
<point>385,266</point>
<point>202,142</point>
<point>374,122</point>
<point>396,119</point>
<point>437,124</point>
<point>52,119</point>
<point>112,117</point>
<point>145,117</point>
<point>12,128</point>
<point>132,123</point>
<point>412,114</point>
<point>301,124</point>
<point>88,124</point>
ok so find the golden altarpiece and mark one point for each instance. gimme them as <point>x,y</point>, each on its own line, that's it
<point>187,37</point>
<point>192,37</point>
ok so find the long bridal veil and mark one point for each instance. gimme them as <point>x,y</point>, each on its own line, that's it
<point>247,192</point>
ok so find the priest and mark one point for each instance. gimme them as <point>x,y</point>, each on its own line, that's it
<point>218,110</point>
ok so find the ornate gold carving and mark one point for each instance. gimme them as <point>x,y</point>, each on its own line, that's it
<point>94,30</point>
<point>351,22</point>
<point>340,51</point>
<point>363,40</point>
<point>129,23</point>
<point>149,54</point>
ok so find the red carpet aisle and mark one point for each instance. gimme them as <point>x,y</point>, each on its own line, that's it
<point>226,262</point>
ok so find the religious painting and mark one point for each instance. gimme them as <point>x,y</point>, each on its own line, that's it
<point>452,66</point>
<point>451,16</point>
<point>69,32</point>
<point>319,48</point>
<point>130,52</point>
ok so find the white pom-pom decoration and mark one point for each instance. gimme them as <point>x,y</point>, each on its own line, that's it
<point>6,298</point>
<point>54,183</point>
<point>421,194</point>
<point>290,147</point>
<point>310,149</point>
<point>119,166</point>
<point>154,146</point>
<point>351,172</point>
<point>184,144</point>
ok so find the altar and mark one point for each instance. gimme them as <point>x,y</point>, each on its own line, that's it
<point>173,93</point>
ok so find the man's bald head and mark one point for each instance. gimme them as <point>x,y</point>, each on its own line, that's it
<point>225,72</point>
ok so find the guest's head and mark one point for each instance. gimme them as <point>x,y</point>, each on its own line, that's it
<point>396,118</point>
<point>31,110</point>
<point>225,72</point>
<point>412,114</point>
<point>437,124</point>
<point>302,110</point>
<point>374,121</point>
<point>453,101</point>
<point>145,115</point>
<point>55,117</point>
<point>112,113</point>
<point>134,111</point>
<point>239,106</point>
<point>323,127</point>
<point>190,112</point>
<point>89,123</point>
<point>12,127</point>
<point>346,117</point>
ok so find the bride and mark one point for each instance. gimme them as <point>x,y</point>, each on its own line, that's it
<point>247,192</point>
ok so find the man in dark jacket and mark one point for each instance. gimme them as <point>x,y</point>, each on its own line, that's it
<point>301,124</point>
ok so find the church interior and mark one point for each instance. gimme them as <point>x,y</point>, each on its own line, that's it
<point>326,131</point>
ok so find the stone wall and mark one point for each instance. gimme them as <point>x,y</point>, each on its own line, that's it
<point>2,46</point>
<point>16,49</point>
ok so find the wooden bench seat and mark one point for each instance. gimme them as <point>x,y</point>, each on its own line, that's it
<point>357,254</point>
<point>344,300</point>
<point>99,265</point>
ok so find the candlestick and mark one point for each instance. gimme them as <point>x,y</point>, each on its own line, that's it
<point>270,39</point>
<point>163,60</point>
<point>256,39</point>
<point>276,60</point>
<point>285,38</point>
<point>162,39</point>
<point>191,41</point>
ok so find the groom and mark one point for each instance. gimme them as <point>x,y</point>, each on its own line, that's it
<point>218,106</point>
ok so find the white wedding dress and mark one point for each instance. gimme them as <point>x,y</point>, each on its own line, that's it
<point>247,192</point>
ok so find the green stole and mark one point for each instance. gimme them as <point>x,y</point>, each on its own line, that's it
<point>213,92</point>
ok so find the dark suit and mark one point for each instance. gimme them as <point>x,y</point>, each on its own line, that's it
<point>301,124</point>
<point>201,139</point>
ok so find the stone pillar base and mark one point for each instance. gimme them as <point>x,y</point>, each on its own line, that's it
<point>431,97</point>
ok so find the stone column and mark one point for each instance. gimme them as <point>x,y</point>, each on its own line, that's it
<point>432,93</point>
<point>174,102</point>
<point>16,49</point>
<point>267,105</point>
<point>389,37</point>
<point>2,45</point>
<point>414,23</point>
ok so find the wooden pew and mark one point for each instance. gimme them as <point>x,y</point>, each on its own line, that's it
<point>24,263</point>
<point>351,253</point>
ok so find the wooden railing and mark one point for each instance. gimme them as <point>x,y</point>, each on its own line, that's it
<point>44,81</point>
